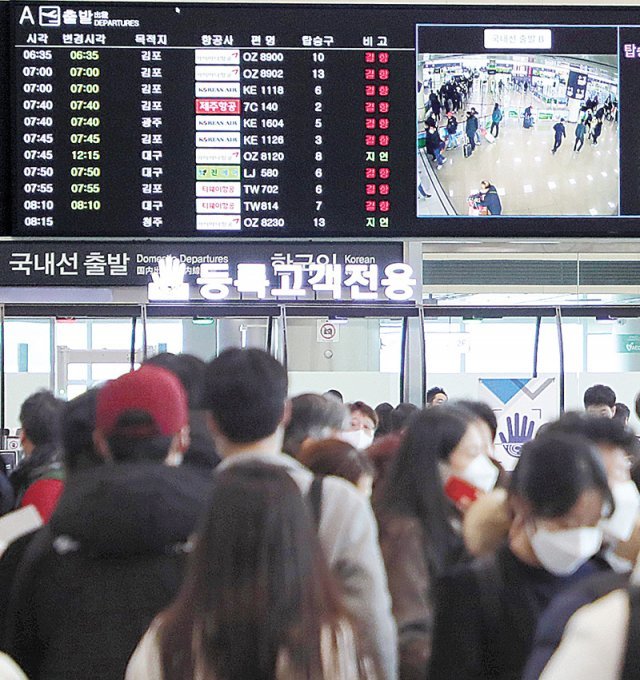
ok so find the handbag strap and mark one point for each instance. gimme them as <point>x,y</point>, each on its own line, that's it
<point>314,498</point>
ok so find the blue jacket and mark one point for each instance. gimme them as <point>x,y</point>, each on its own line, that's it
<point>491,201</point>
<point>472,126</point>
<point>559,130</point>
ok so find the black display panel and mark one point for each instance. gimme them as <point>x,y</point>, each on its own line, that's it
<point>192,120</point>
<point>5,158</point>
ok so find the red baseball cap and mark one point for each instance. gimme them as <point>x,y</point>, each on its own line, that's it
<point>152,389</point>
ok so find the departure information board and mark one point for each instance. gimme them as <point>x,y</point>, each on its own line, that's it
<point>192,120</point>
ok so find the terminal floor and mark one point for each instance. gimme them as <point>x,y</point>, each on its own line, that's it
<point>529,178</point>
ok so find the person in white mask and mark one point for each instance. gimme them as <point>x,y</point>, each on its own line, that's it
<point>364,421</point>
<point>486,611</point>
<point>441,467</point>
<point>617,445</point>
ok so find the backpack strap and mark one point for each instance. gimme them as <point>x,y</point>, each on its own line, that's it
<point>631,668</point>
<point>314,498</point>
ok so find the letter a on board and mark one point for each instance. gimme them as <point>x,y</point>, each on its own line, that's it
<point>27,14</point>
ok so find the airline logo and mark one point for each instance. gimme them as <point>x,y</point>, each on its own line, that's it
<point>218,205</point>
<point>218,223</point>
<point>217,89</point>
<point>217,122</point>
<point>218,139</point>
<point>217,56</point>
<point>204,172</point>
<point>217,156</point>
<point>218,189</point>
<point>218,106</point>
<point>223,73</point>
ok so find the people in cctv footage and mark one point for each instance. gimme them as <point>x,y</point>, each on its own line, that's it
<point>487,115</point>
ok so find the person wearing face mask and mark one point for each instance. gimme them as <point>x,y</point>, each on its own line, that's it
<point>441,467</point>
<point>486,612</point>
<point>621,532</point>
<point>364,421</point>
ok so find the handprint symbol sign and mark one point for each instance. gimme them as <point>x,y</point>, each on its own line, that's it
<point>519,430</point>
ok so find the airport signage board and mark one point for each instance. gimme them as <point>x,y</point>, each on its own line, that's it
<point>217,271</point>
<point>227,121</point>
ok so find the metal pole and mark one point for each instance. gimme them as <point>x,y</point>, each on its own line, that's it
<point>403,356</point>
<point>270,334</point>
<point>143,309</point>
<point>536,345</point>
<point>561,352</point>
<point>285,349</point>
<point>132,348</point>
<point>423,362</point>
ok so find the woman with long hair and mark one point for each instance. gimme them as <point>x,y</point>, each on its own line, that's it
<point>258,601</point>
<point>442,466</point>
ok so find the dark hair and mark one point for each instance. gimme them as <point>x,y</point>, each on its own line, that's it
<point>40,416</point>
<point>314,416</point>
<point>190,372</point>
<point>607,431</point>
<point>335,394</point>
<point>383,411</point>
<point>76,425</point>
<point>597,395</point>
<point>622,412</point>
<point>335,457</point>
<point>137,439</point>
<point>554,470</point>
<point>366,411</point>
<point>401,415</point>
<point>482,412</point>
<point>415,485</point>
<point>188,369</point>
<point>245,390</point>
<point>431,393</point>
<point>257,585</point>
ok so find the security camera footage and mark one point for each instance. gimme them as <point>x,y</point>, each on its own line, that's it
<point>227,121</point>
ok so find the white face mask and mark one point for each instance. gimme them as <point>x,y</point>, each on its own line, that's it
<point>563,552</point>
<point>621,524</point>
<point>359,439</point>
<point>481,473</point>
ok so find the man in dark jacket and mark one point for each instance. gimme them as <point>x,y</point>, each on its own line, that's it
<point>560,132</point>
<point>434,145</point>
<point>489,198</point>
<point>471,127</point>
<point>113,555</point>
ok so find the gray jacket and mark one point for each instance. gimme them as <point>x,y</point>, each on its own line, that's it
<point>349,536</point>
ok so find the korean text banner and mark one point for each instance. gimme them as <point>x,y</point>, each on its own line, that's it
<point>353,267</point>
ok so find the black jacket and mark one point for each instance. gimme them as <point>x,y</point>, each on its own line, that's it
<point>486,616</point>
<point>114,559</point>
<point>553,621</point>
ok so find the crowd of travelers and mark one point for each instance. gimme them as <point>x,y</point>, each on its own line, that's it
<point>194,522</point>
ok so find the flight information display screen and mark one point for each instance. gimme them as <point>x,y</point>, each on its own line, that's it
<point>241,120</point>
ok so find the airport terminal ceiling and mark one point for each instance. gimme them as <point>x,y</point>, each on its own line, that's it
<point>296,121</point>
